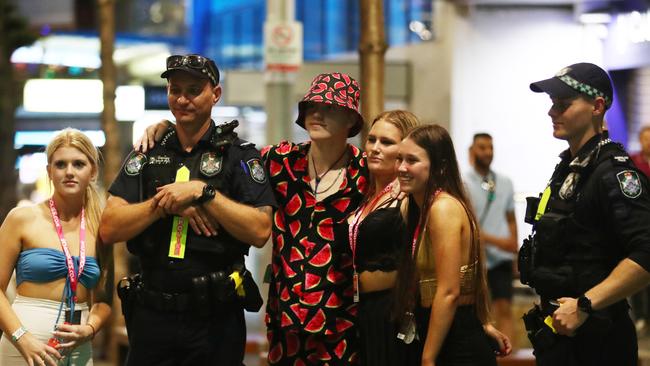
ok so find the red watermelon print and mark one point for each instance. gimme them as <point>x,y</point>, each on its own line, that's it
<point>283,148</point>
<point>343,325</point>
<point>335,276</point>
<point>297,289</point>
<point>296,255</point>
<point>278,220</point>
<point>284,295</point>
<point>275,354</point>
<point>342,204</point>
<point>341,348</point>
<point>286,320</point>
<point>299,312</point>
<point>317,323</point>
<point>293,343</point>
<point>310,201</point>
<point>333,302</point>
<point>325,229</point>
<point>282,188</point>
<point>279,244</point>
<point>312,298</point>
<point>275,168</point>
<point>287,269</point>
<point>323,257</point>
<point>310,279</point>
<point>294,227</point>
<point>294,204</point>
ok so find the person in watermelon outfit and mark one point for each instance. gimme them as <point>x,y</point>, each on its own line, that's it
<point>311,315</point>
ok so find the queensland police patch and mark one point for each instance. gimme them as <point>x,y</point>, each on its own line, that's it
<point>630,183</point>
<point>256,170</point>
<point>211,164</point>
<point>135,163</point>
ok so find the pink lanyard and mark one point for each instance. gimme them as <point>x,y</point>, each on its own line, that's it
<point>74,278</point>
<point>353,231</point>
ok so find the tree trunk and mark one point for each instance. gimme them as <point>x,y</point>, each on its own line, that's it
<point>372,48</point>
<point>111,150</point>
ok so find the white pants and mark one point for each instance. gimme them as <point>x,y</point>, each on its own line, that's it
<point>38,317</point>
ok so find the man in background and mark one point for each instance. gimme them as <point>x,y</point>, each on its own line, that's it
<point>492,197</point>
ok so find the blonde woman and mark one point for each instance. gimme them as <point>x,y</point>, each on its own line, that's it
<point>54,248</point>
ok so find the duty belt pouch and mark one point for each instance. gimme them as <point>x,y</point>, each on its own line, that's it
<point>526,260</point>
<point>221,287</point>
<point>550,235</point>
<point>532,204</point>
<point>201,294</point>
<point>541,336</point>
<point>127,289</point>
<point>252,301</point>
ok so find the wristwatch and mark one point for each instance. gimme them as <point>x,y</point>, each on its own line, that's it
<point>584,305</point>
<point>207,194</point>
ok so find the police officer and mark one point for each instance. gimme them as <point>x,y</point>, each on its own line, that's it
<point>590,247</point>
<point>189,210</point>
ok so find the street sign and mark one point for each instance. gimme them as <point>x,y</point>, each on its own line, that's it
<point>282,45</point>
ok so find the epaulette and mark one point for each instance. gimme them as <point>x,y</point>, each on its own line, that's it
<point>246,145</point>
<point>171,131</point>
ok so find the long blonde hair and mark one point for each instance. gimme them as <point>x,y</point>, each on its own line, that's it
<point>93,202</point>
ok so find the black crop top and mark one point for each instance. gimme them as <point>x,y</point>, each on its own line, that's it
<point>381,240</point>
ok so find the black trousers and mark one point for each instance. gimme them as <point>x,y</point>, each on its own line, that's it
<point>597,343</point>
<point>166,338</point>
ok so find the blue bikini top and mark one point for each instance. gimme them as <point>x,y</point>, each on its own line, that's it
<point>48,264</point>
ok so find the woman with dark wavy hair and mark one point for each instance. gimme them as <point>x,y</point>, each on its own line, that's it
<point>445,262</point>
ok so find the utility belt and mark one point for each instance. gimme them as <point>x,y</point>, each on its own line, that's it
<point>208,294</point>
<point>542,335</point>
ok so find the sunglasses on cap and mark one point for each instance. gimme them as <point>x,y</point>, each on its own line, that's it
<point>196,62</point>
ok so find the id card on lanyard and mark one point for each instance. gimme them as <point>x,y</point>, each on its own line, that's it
<point>73,278</point>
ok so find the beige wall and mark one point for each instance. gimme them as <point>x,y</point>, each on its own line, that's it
<point>431,68</point>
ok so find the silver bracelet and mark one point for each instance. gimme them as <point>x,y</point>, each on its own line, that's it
<point>15,336</point>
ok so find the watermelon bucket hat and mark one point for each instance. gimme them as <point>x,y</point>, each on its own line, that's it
<point>336,89</point>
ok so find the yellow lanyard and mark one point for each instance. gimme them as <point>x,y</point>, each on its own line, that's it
<point>179,228</point>
<point>541,208</point>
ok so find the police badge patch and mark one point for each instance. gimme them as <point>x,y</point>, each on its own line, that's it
<point>135,163</point>
<point>210,164</point>
<point>630,183</point>
<point>256,170</point>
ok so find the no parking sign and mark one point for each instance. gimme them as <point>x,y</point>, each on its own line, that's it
<point>282,45</point>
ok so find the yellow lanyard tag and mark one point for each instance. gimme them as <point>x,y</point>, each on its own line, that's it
<point>541,208</point>
<point>179,228</point>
